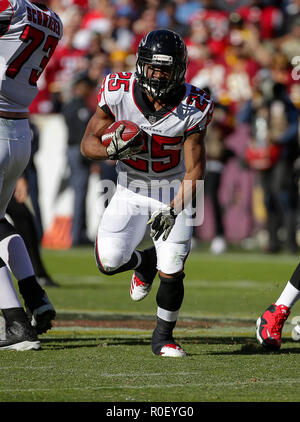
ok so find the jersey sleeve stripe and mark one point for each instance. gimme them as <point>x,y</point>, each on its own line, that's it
<point>204,122</point>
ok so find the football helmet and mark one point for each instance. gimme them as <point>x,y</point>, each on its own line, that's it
<point>166,50</point>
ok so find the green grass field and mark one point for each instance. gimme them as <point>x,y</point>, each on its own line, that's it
<point>99,349</point>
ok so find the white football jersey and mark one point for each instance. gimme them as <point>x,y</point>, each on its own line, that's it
<point>29,34</point>
<point>162,157</point>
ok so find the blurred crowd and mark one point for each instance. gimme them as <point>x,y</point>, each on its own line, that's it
<point>246,53</point>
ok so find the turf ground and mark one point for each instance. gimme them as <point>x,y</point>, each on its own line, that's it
<point>99,349</point>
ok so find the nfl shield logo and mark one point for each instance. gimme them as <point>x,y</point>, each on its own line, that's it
<point>152,120</point>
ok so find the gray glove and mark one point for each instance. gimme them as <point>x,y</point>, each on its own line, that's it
<point>121,150</point>
<point>161,222</point>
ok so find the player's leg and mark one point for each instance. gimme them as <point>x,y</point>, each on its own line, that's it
<point>15,256</point>
<point>291,293</point>
<point>270,324</point>
<point>25,224</point>
<point>19,334</point>
<point>14,156</point>
<point>171,256</point>
<point>121,229</point>
<point>169,299</point>
<point>144,275</point>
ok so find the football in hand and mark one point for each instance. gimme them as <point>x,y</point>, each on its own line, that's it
<point>131,129</point>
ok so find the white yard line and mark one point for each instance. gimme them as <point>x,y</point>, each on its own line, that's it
<point>210,384</point>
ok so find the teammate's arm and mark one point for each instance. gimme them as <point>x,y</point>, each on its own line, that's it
<point>91,145</point>
<point>194,154</point>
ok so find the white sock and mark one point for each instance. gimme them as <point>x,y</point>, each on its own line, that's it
<point>289,296</point>
<point>8,296</point>
<point>167,315</point>
<point>15,256</point>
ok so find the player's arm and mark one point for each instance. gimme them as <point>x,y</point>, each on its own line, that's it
<point>194,154</point>
<point>118,149</point>
<point>163,220</point>
<point>91,145</point>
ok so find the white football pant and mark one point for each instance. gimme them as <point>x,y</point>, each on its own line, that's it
<point>123,227</point>
<point>15,147</point>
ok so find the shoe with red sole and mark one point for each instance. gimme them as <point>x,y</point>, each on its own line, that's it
<point>172,350</point>
<point>163,343</point>
<point>138,289</point>
<point>143,276</point>
<point>269,326</point>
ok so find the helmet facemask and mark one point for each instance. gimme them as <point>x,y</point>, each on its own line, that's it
<point>154,51</point>
<point>159,88</point>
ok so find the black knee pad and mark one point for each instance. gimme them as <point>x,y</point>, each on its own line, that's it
<point>170,293</point>
<point>6,229</point>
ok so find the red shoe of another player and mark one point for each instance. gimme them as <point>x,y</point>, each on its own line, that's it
<point>269,326</point>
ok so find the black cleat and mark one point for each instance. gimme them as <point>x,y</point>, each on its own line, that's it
<point>166,347</point>
<point>20,336</point>
<point>38,306</point>
<point>42,315</point>
<point>163,343</point>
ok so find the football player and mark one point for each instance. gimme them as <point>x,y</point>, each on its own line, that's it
<point>270,324</point>
<point>174,115</point>
<point>29,35</point>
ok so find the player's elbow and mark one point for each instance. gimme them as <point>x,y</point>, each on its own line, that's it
<point>85,150</point>
<point>92,149</point>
